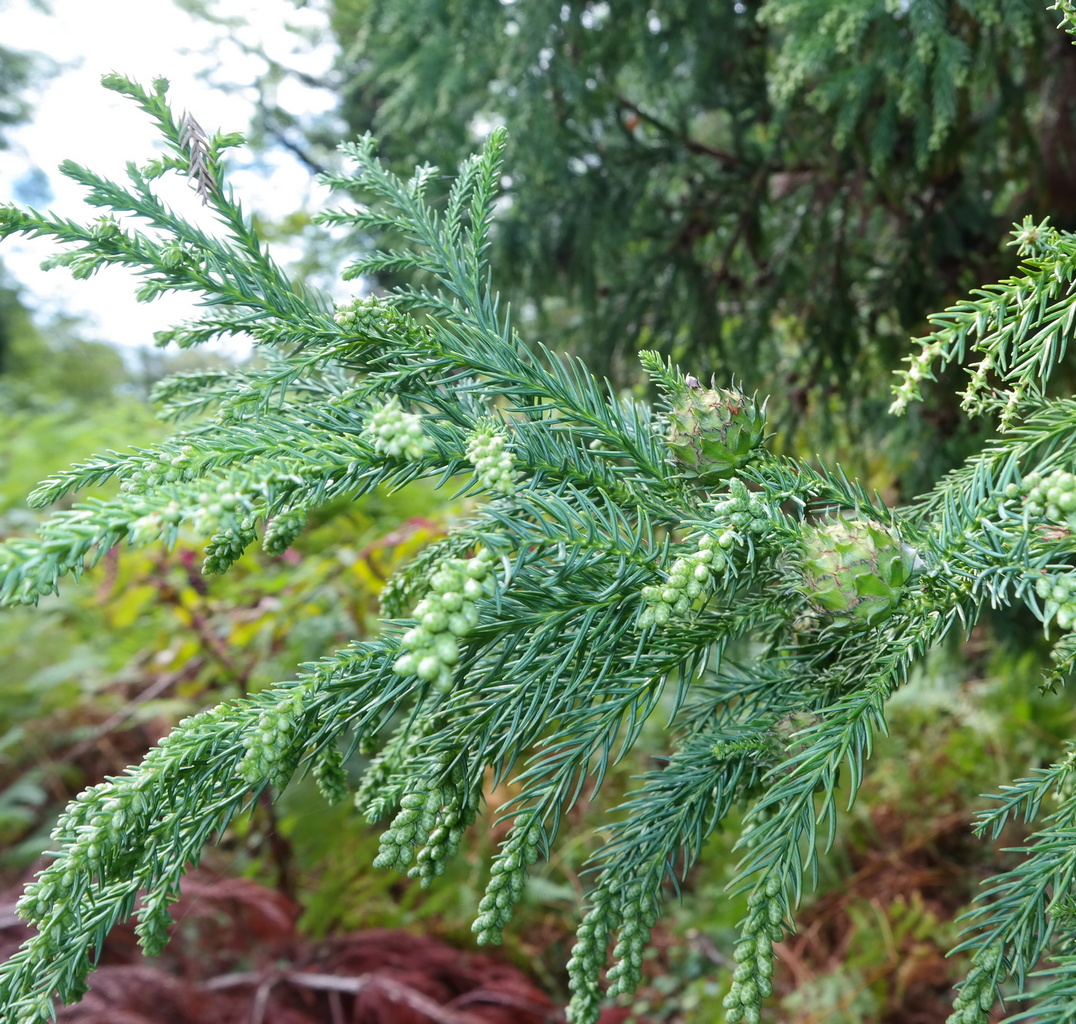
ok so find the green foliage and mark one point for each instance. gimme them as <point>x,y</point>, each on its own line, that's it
<point>561,657</point>
<point>891,74</point>
<point>149,639</point>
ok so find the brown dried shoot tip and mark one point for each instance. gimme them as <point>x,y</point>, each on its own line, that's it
<point>192,137</point>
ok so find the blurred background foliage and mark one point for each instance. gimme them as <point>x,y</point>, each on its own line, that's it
<point>779,192</point>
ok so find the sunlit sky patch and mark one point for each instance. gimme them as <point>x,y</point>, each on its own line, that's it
<point>211,74</point>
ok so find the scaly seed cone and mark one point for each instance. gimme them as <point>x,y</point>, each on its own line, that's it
<point>854,569</point>
<point>714,431</point>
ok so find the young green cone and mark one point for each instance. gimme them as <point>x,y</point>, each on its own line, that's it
<point>854,570</point>
<point>714,431</point>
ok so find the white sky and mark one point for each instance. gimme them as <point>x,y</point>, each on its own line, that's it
<point>75,118</point>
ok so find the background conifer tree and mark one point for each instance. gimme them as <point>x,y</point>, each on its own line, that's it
<point>782,191</point>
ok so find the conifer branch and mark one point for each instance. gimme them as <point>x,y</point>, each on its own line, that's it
<point>615,559</point>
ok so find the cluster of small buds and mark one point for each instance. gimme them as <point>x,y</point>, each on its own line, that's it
<point>33,1009</point>
<point>96,833</point>
<point>176,255</point>
<point>396,433</point>
<point>411,827</point>
<point>145,529</point>
<point>221,505</point>
<point>227,509</point>
<point>493,460</point>
<point>1035,240</point>
<point>403,589</point>
<point>384,781</point>
<point>689,577</point>
<point>1059,594</point>
<point>456,815</point>
<point>508,878</point>
<point>1011,411</point>
<point>588,959</point>
<point>972,401</point>
<point>360,312</point>
<point>155,920</point>
<point>226,547</point>
<point>979,992</point>
<point>743,513</point>
<point>1052,496</point>
<point>331,777</point>
<point>448,612</point>
<point>282,530</point>
<point>638,911</point>
<point>103,833</point>
<point>107,228</point>
<point>39,898</point>
<point>919,368</point>
<point>269,754</point>
<point>22,581</point>
<point>242,404</point>
<point>161,470</point>
<point>751,980</point>
<point>1062,663</point>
